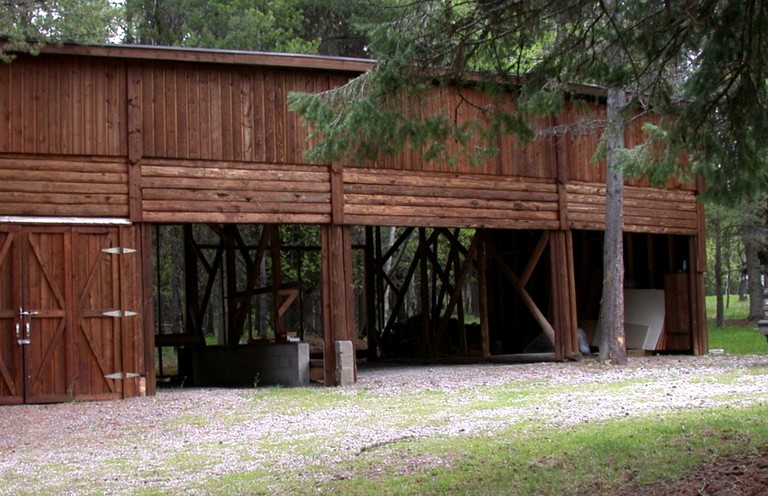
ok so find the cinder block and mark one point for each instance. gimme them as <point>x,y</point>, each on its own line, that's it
<point>345,363</point>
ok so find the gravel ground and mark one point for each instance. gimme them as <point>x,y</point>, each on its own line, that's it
<point>182,437</point>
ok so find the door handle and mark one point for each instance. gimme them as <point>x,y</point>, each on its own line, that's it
<point>27,318</point>
<point>24,341</point>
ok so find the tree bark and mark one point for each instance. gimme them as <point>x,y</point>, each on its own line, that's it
<point>718,275</point>
<point>613,344</point>
<point>750,238</point>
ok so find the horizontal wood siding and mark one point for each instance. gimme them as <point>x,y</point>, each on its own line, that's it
<point>214,191</point>
<point>213,112</point>
<point>645,209</point>
<point>389,197</point>
<point>66,186</point>
<point>63,105</point>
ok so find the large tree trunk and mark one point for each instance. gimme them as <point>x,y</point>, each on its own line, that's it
<point>751,239</point>
<point>718,274</point>
<point>613,344</point>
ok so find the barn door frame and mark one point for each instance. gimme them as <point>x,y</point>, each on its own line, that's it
<point>11,352</point>
<point>65,288</point>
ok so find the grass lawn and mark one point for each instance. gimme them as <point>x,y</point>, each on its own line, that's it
<point>738,336</point>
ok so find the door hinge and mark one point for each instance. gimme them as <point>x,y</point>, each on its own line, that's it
<point>118,250</point>
<point>120,375</point>
<point>119,313</point>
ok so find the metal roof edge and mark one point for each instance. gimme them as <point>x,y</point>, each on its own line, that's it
<point>213,56</point>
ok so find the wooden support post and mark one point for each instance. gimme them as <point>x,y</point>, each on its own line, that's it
<point>424,292</point>
<point>697,267</point>
<point>573,303</point>
<point>482,282</point>
<point>696,307</point>
<point>277,281</point>
<point>370,295</point>
<point>338,311</point>
<point>563,296</point>
<point>144,240</point>
<point>232,333</point>
<point>191,283</point>
<point>380,292</point>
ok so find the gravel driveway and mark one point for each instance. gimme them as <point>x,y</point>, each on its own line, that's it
<point>181,437</point>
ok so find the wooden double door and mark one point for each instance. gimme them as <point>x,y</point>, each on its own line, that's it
<point>69,326</point>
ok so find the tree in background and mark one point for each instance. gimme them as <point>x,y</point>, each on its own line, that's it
<point>329,27</point>
<point>727,228</point>
<point>231,24</point>
<point>28,24</point>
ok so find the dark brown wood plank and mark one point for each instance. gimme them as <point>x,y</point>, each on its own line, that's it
<point>236,113</point>
<point>5,108</point>
<point>431,221</point>
<point>214,173</point>
<point>163,165</point>
<point>215,108</point>
<point>65,209</point>
<point>63,176</point>
<point>465,200</point>
<point>247,195</point>
<point>224,185</point>
<point>236,217</point>
<point>158,128</point>
<point>227,151</point>
<point>233,207</point>
<point>60,187</point>
<point>147,110</point>
<point>184,119</point>
<point>247,117</point>
<point>204,123</point>
<point>100,96</point>
<point>269,113</point>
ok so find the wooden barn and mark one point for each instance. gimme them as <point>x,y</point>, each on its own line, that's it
<point>105,150</point>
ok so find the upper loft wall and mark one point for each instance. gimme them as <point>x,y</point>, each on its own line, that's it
<point>225,107</point>
<point>228,113</point>
<point>64,106</point>
<point>515,158</point>
<point>578,130</point>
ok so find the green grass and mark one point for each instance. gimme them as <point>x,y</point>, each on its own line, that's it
<point>738,336</point>
<point>735,310</point>
<point>530,459</point>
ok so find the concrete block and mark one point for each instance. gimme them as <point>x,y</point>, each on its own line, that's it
<point>345,363</point>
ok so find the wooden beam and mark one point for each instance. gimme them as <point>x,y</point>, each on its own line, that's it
<point>144,242</point>
<point>546,327</point>
<point>369,267</point>
<point>482,282</point>
<point>338,312</point>
<point>468,261</point>
<point>535,257</point>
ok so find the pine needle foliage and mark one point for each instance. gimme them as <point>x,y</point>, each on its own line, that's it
<point>27,25</point>
<point>700,65</point>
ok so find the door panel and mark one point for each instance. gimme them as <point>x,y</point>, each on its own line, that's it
<point>11,366</point>
<point>61,283</point>
<point>46,296</point>
<point>97,337</point>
